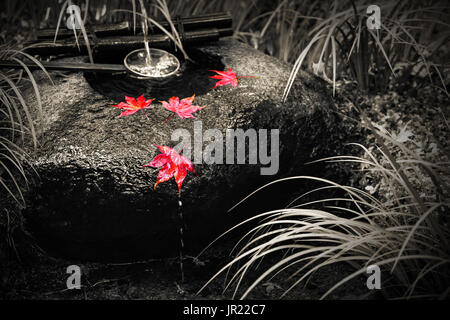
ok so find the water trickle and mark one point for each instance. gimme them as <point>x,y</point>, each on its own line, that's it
<point>148,58</point>
<point>180,216</point>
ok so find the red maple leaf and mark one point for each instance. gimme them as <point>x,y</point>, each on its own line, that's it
<point>133,105</point>
<point>227,77</point>
<point>173,164</point>
<point>183,108</point>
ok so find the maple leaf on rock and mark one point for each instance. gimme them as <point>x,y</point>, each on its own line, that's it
<point>172,164</point>
<point>227,77</point>
<point>133,105</point>
<point>183,108</point>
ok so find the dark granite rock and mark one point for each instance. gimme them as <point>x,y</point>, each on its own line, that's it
<point>93,200</point>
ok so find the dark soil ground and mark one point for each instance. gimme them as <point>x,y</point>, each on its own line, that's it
<point>159,279</point>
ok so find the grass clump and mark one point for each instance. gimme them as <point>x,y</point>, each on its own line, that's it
<point>410,35</point>
<point>18,122</point>
<point>398,222</point>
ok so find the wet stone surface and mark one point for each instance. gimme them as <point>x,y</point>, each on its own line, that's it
<point>93,200</point>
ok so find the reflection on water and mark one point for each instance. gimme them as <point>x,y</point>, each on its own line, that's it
<point>161,63</point>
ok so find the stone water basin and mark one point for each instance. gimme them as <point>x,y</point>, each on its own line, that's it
<point>93,200</point>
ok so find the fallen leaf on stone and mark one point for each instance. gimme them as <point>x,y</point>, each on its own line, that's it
<point>183,108</point>
<point>133,105</point>
<point>227,77</point>
<point>172,164</point>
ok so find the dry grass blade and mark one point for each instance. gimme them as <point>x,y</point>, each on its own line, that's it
<point>24,105</point>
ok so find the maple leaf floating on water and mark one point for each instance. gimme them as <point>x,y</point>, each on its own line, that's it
<point>183,108</point>
<point>133,105</point>
<point>172,164</point>
<point>227,77</point>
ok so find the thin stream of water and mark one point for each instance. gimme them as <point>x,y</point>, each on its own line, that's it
<point>145,31</point>
<point>180,216</point>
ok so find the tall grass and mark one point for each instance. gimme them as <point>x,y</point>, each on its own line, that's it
<point>401,224</point>
<point>342,39</point>
<point>331,39</point>
<point>18,122</point>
